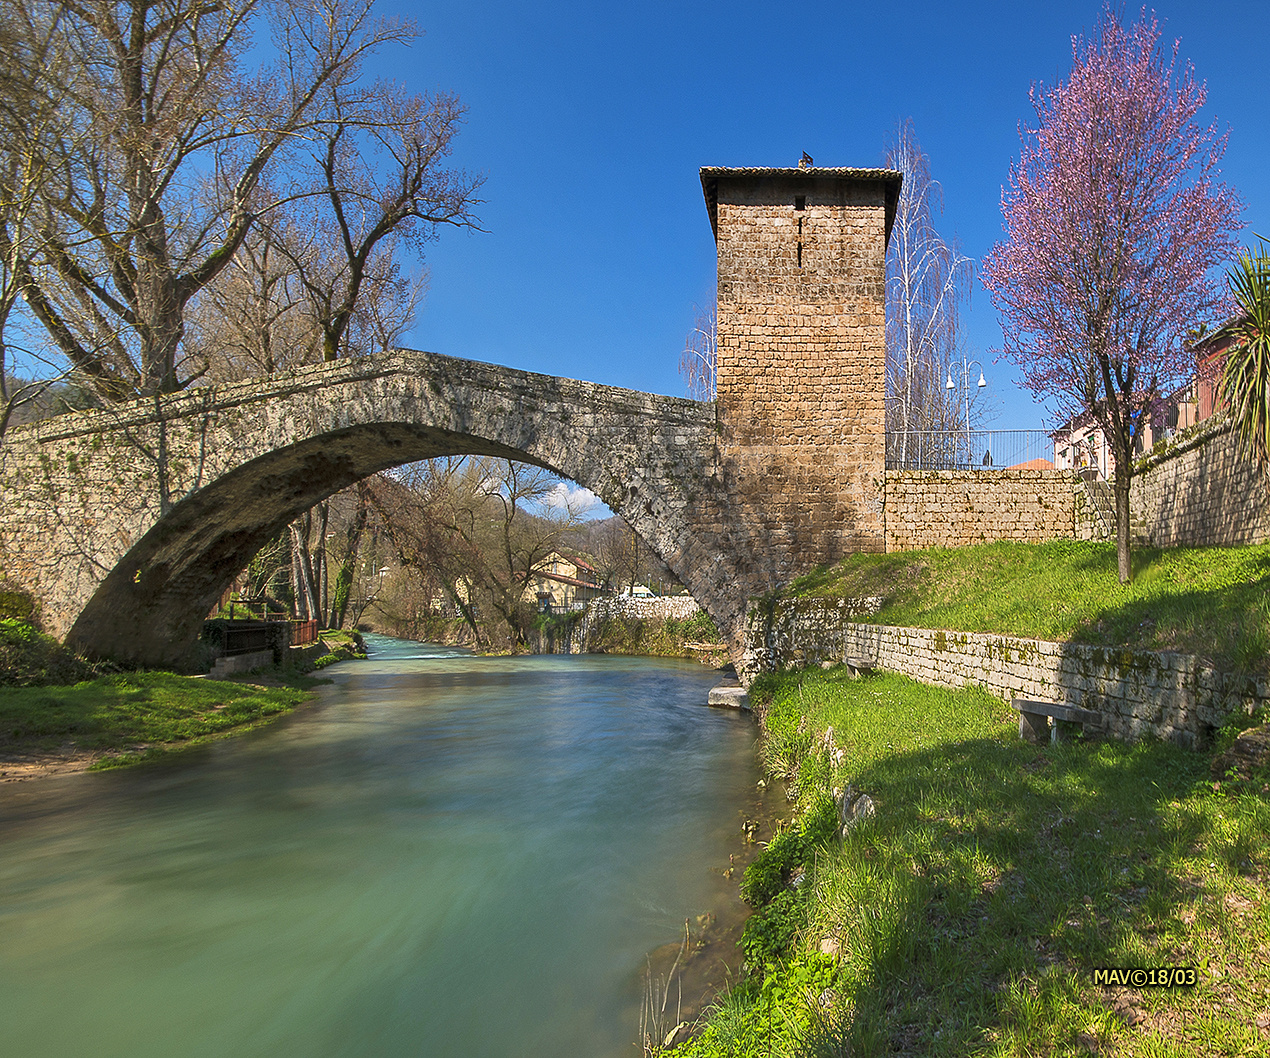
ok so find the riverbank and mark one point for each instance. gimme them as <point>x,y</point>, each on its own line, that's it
<point>980,882</point>
<point>684,979</point>
<point>672,627</point>
<point>1207,601</point>
<point>122,719</point>
<point>119,719</point>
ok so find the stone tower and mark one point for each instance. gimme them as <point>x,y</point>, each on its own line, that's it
<point>802,356</point>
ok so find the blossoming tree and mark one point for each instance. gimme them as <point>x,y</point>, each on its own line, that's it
<point>1115,216</point>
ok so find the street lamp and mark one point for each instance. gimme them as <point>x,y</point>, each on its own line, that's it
<point>965,385</point>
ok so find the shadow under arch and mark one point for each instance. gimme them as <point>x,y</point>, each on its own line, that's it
<point>149,610</point>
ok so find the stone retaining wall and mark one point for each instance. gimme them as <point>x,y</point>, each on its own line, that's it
<point>577,639</point>
<point>953,508</point>
<point>1201,491</point>
<point>678,607</point>
<point>1139,693</point>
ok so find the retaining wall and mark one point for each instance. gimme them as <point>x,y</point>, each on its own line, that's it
<point>954,508</point>
<point>1139,693</point>
<point>1201,491</point>
<point>577,638</point>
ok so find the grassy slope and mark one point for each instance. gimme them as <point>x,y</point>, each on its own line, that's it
<point>1212,602</point>
<point>995,876</point>
<point>132,715</point>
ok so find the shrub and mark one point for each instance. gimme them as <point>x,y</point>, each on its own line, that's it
<point>31,659</point>
<point>766,876</point>
<point>771,932</point>
<point>16,604</point>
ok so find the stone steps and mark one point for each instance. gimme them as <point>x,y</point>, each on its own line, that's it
<point>729,695</point>
<point>1103,498</point>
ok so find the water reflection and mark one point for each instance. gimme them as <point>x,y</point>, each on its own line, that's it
<point>448,854</point>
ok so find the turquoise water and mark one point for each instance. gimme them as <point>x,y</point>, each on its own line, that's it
<point>446,855</point>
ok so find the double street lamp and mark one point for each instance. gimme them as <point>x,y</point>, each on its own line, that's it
<point>965,385</point>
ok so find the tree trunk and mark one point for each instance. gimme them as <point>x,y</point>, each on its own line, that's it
<point>352,550</point>
<point>467,612</point>
<point>1124,476</point>
<point>299,592</point>
<point>308,599</point>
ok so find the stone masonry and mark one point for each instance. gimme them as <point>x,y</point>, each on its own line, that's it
<point>956,508</point>
<point>127,524</point>
<point>1200,491</point>
<point>1139,693</point>
<point>801,355</point>
<point>578,639</point>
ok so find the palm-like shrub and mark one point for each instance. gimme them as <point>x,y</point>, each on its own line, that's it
<point>1246,380</point>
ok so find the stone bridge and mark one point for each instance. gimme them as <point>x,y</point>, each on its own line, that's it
<point>127,524</point>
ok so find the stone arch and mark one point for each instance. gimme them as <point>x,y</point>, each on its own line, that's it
<point>149,608</point>
<point>128,523</point>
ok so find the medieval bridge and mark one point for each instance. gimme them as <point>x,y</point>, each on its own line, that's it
<point>127,524</point>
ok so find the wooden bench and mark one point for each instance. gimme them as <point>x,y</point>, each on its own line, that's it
<point>1034,719</point>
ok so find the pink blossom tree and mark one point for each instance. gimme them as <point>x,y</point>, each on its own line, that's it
<point>1115,217</point>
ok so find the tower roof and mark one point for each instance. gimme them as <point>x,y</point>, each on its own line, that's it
<point>711,175</point>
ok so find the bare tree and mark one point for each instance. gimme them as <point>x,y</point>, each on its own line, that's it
<point>699,361</point>
<point>380,185</point>
<point>130,227</point>
<point>478,529</point>
<point>416,508</point>
<point>33,74</point>
<point>513,542</point>
<point>927,283</point>
<point>251,320</point>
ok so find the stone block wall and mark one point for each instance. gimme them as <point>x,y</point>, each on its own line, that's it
<point>578,638</point>
<point>676,607</point>
<point>1139,693</point>
<point>801,357</point>
<point>954,508</point>
<point>1201,491</point>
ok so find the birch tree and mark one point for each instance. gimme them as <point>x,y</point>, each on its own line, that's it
<point>927,284</point>
<point>699,361</point>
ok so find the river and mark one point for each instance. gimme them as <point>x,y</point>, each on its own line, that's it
<point>444,855</point>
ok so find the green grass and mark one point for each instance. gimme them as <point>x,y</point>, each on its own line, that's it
<point>1214,602</point>
<point>135,715</point>
<point>971,910</point>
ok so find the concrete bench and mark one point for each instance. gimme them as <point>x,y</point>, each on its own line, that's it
<point>1034,718</point>
<point>859,666</point>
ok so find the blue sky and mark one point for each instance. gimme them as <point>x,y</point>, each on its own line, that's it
<point>591,121</point>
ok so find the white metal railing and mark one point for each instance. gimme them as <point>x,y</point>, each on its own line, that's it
<point>966,450</point>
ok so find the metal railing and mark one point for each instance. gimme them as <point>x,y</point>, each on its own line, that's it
<point>959,450</point>
<point>303,632</point>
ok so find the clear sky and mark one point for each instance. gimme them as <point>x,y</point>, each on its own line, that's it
<point>591,121</point>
